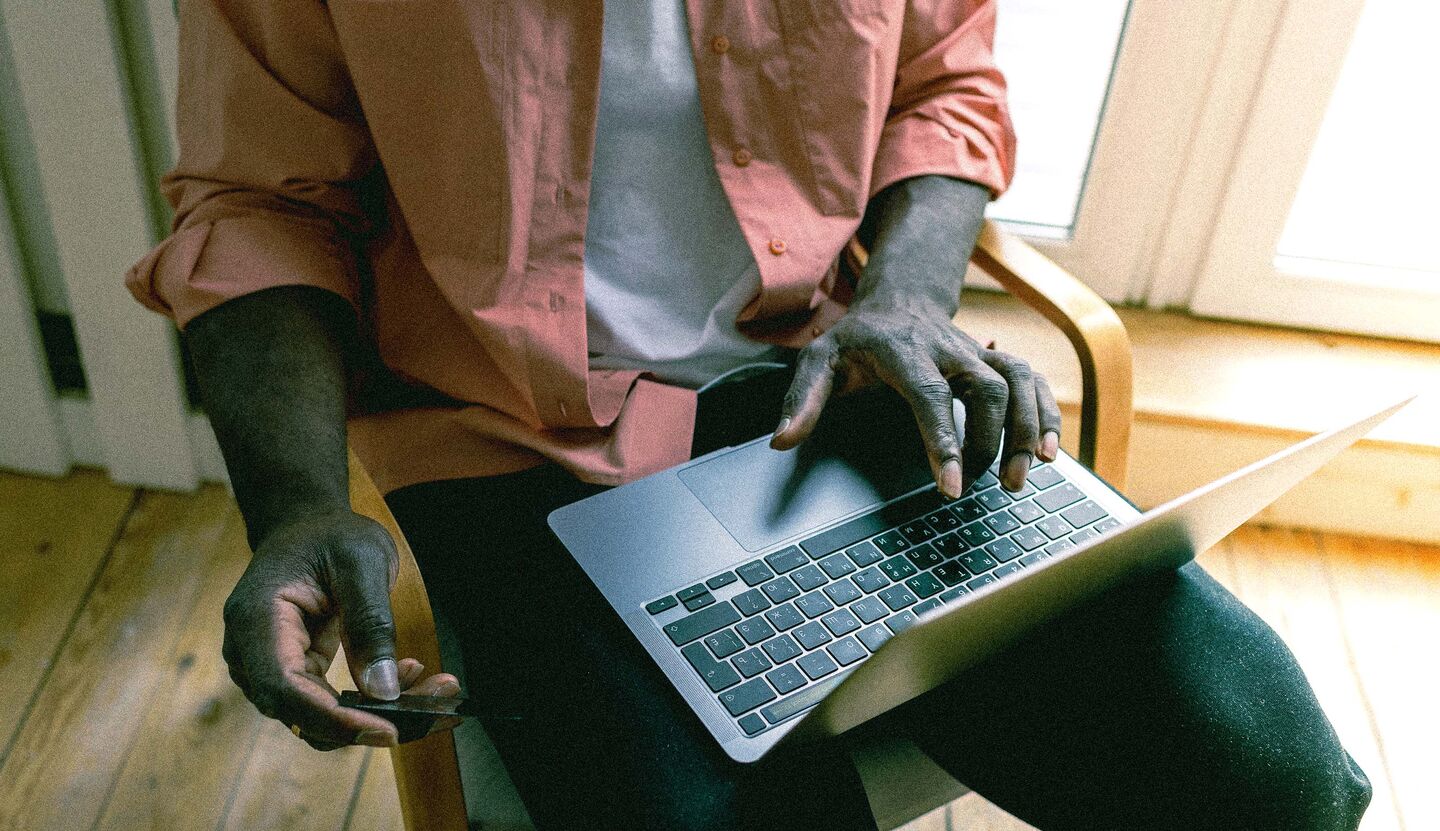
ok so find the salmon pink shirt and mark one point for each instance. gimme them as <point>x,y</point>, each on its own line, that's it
<point>430,160</point>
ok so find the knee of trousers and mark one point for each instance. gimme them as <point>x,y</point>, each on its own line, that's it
<point>1318,793</point>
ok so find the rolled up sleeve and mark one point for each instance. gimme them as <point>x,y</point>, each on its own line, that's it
<point>274,162</point>
<point>948,114</point>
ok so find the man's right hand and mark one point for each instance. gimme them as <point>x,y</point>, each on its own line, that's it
<point>313,584</point>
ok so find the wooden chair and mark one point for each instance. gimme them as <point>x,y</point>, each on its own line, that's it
<point>900,781</point>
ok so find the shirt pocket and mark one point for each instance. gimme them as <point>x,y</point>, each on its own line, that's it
<point>841,56</point>
<point>431,78</point>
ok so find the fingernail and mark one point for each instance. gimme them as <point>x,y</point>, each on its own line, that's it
<point>780,428</point>
<point>382,680</point>
<point>951,483</point>
<point>376,738</point>
<point>1015,471</point>
<point>1050,446</point>
<point>449,689</point>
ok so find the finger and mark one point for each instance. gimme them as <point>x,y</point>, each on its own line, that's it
<point>439,685</point>
<point>1022,418</point>
<point>447,723</point>
<point>986,398</point>
<point>410,671</point>
<point>809,390</point>
<point>361,586</point>
<point>932,401</point>
<point>1049,420</point>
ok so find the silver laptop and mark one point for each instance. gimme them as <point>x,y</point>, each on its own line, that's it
<point>789,595</point>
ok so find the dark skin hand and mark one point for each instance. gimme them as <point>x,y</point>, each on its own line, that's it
<point>920,233</point>
<point>272,370</point>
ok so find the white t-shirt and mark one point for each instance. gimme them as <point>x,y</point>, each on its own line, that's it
<point>666,266</point>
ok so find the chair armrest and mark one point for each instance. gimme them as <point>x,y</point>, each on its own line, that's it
<point>1094,330</point>
<point>1092,327</point>
<point>426,771</point>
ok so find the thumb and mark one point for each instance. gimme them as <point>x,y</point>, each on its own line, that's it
<point>367,628</point>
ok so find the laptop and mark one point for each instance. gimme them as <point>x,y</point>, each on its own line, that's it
<point>793,595</point>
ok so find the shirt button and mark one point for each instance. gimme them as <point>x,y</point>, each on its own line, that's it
<point>777,247</point>
<point>742,157</point>
<point>720,44</point>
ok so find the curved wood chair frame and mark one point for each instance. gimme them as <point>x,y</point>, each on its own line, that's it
<point>427,772</point>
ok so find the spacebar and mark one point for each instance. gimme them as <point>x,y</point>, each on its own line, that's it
<point>809,697</point>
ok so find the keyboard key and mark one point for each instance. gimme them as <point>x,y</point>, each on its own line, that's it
<point>943,521</point>
<point>754,573</point>
<point>786,559</point>
<point>655,607</point>
<point>702,623</point>
<point>842,592</point>
<point>721,580</point>
<point>1044,477</point>
<point>1025,490</point>
<point>718,675</point>
<point>786,679</point>
<point>897,597</point>
<point>751,602</point>
<point>1033,557</point>
<point>752,724</point>
<point>694,591</point>
<point>891,542</point>
<point>846,652</point>
<point>874,637</point>
<point>747,696</point>
<point>993,499</point>
<point>924,585</point>
<point>1054,527</point>
<point>785,617</point>
<point>780,590</point>
<point>1107,524</point>
<point>976,534</point>
<point>864,527</point>
<point>781,649</point>
<point>922,608</point>
<point>801,701</point>
<point>968,509</point>
<point>869,610</point>
<point>700,601</point>
<point>1026,511</point>
<point>817,664</point>
<point>1056,547</point>
<point>951,573</point>
<point>724,643</point>
<point>1001,523</point>
<point>812,634</point>
<point>1003,550</point>
<point>1083,514</point>
<point>840,622</point>
<point>950,545</point>
<point>1029,539</point>
<point>899,623</point>
<point>809,578</point>
<point>865,554</point>
<point>1060,496</point>
<point>950,595</point>
<point>1083,536</point>
<point>871,580</point>
<point>917,531</point>
<point>924,556</point>
<point>836,566</point>
<point>1006,570</point>
<point>754,630</point>
<point>978,562</point>
<point>814,605</point>
<point>897,568</point>
<point>987,479</point>
<point>751,662</point>
<point>980,582</point>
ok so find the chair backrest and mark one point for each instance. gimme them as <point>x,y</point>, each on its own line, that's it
<point>427,772</point>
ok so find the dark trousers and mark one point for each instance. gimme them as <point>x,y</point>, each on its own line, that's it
<point>1166,704</point>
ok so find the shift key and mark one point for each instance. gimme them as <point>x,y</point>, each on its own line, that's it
<point>702,623</point>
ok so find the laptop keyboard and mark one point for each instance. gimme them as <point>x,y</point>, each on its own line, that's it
<point>788,627</point>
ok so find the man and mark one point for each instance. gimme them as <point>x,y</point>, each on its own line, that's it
<point>510,241</point>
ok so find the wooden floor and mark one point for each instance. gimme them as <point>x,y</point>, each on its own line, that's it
<point>116,711</point>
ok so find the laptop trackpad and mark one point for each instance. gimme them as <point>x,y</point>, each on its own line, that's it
<point>763,496</point>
